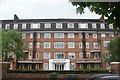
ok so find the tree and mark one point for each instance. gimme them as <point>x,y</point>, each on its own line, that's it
<point>111,10</point>
<point>12,43</point>
<point>114,54</point>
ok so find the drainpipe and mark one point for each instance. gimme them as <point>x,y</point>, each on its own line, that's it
<point>34,44</point>
<point>84,48</point>
<point>34,47</point>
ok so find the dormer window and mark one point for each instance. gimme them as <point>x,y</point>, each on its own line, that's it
<point>102,25</point>
<point>15,26</point>
<point>70,25</point>
<point>58,25</point>
<point>24,26</point>
<point>7,26</point>
<point>83,25</point>
<point>47,25</point>
<point>35,26</point>
<point>94,25</point>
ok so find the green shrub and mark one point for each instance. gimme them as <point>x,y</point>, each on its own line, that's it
<point>80,71</point>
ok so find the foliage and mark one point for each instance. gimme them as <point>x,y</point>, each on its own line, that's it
<point>113,55</point>
<point>80,71</point>
<point>12,43</point>
<point>107,9</point>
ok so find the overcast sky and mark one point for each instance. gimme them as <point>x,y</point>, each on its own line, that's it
<point>37,9</point>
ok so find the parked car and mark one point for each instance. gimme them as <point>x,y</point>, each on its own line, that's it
<point>109,78</point>
<point>97,76</point>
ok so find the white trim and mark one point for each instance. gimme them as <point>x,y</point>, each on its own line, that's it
<point>29,62</point>
<point>67,31</point>
<point>25,51</point>
<point>115,63</point>
<point>88,62</point>
<point>95,51</point>
<point>5,62</point>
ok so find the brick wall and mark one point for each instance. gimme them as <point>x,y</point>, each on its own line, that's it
<point>115,67</point>
<point>36,76</point>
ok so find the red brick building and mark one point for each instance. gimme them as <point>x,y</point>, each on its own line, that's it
<point>62,44</point>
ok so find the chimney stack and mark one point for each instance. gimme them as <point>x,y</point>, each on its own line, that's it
<point>16,18</point>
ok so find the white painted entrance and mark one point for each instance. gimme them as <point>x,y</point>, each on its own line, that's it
<point>59,64</point>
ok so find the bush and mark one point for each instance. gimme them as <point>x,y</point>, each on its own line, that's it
<point>80,71</point>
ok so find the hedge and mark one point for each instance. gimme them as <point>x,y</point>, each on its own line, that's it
<point>80,71</point>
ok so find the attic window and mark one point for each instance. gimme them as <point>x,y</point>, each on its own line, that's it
<point>35,26</point>
<point>83,25</point>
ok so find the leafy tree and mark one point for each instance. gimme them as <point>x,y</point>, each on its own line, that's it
<point>111,10</point>
<point>114,54</point>
<point>12,43</point>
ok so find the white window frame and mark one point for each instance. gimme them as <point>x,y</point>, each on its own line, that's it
<point>47,35</point>
<point>46,55</point>
<point>31,35</point>
<point>102,25</point>
<point>103,35</point>
<point>37,55</point>
<point>94,26</point>
<point>111,35</point>
<point>81,55</point>
<point>71,44</point>
<point>87,35</point>
<point>37,66</point>
<point>38,45</point>
<point>95,45</point>
<point>23,26</point>
<point>94,35</point>
<point>72,66</point>
<point>7,26</point>
<point>47,25</point>
<point>83,25</point>
<point>96,56</point>
<point>23,35</point>
<point>30,45</point>
<point>58,35</point>
<point>35,25</point>
<point>15,26</point>
<point>70,25</point>
<point>87,44</point>
<point>29,66</point>
<point>30,55</point>
<point>38,35</point>
<point>96,65</point>
<point>47,45</point>
<point>71,55</point>
<point>58,25</point>
<point>80,35</point>
<point>45,66</point>
<point>88,66</point>
<point>70,35</point>
<point>80,44</point>
<point>105,43</point>
<point>58,43</point>
<point>81,66</point>
<point>88,55</point>
<point>21,66</point>
<point>59,55</point>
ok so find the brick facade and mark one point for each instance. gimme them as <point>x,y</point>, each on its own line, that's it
<point>77,63</point>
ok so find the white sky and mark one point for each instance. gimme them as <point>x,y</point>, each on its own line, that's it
<point>37,9</point>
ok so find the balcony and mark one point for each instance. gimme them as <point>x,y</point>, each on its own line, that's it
<point>89,60</point>
<point>30,61</point>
